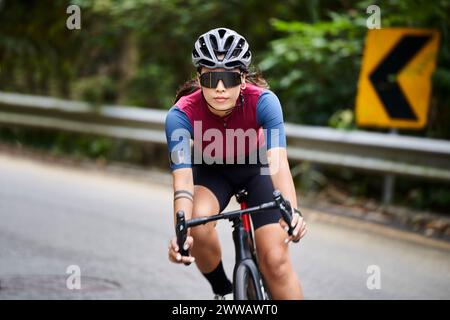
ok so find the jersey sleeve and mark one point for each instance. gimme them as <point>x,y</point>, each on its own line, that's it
<point>178,135</point>
<point>269,116</point>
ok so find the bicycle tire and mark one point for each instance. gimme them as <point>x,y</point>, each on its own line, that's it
<point>252,246</point>
<point>247,284</point>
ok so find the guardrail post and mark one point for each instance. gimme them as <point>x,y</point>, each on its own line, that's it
<point>389,182</point>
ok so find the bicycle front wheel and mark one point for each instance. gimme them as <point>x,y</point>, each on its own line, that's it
<point>248,283</point>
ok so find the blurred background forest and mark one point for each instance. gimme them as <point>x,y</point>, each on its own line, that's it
<point>138,53</point>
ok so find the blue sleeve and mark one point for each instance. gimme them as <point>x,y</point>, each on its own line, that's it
<point>178,134</point>
<point>269,115</point>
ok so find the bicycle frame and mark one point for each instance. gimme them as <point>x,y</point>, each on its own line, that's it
<point>242,230</point>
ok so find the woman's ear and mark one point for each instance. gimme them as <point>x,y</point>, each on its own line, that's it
<point>243,82</point>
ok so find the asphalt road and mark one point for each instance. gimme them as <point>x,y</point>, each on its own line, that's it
<point>116,229</point>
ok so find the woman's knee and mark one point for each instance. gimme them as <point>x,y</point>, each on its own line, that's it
<point>203,232</point>
<point>205,202</point>
<point>275,263</point>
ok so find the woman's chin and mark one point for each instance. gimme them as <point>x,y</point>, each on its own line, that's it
<point>221,107</point>
<point>225,108</point>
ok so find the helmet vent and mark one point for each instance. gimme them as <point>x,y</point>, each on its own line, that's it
<point>206,63</point>
<point>236,53</point>
<point>228,43</point>
<point>213,42</point>
<point>233,64</point>
<point>222,32</point>
<point>204,48</point>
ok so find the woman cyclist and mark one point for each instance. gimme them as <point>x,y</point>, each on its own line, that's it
<point>224,103</point>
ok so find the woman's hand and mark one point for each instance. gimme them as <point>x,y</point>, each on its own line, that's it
<point>299,225</point>
<point>174,254</point>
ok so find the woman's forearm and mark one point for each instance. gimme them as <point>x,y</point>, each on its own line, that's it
<point>281,175</point>
<point>183,181</point>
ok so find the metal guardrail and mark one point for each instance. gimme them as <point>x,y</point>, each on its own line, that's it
<point>376,152</point>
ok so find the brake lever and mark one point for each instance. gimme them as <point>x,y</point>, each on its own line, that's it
<point>285,210</point>
<point>181,232</point>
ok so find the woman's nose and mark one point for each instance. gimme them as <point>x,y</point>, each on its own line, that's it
<point>220,86</point>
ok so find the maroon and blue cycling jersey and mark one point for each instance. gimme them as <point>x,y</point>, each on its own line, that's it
<point>257,111</point>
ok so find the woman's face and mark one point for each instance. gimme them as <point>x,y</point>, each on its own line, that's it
<point>221,98</point>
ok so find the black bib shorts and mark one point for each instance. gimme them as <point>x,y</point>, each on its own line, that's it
<point>225,180</point>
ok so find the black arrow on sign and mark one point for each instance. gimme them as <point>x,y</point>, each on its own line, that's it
<point>383,77</point>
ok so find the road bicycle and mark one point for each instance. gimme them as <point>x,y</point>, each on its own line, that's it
<point>248,282</point>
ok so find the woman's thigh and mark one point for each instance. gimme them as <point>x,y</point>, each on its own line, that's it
<point>260,190</point>
<point>212,192</point>
<point>211,196</point>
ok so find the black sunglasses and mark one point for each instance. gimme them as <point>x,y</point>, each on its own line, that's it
<point>229,78</point>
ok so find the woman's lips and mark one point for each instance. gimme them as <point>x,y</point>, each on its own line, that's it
<point>220,99</point>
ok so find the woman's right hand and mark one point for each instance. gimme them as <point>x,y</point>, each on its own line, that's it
<point>174,251</point>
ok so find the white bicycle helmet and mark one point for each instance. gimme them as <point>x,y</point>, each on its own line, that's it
<point>221,41</point>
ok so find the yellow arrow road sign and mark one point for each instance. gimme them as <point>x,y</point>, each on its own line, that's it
<point>394,86</point>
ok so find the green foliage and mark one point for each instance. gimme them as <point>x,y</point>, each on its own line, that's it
<point>308,178</point>
<point>343,119</point>
<point>314,67</point>
<point>96,89</point>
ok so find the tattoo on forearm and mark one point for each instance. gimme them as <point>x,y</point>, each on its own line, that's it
<point>185,197</point>
<point>183,191</point>
<point>183,194</point>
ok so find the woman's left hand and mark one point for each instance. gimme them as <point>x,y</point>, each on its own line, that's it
<point>299,225</point>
